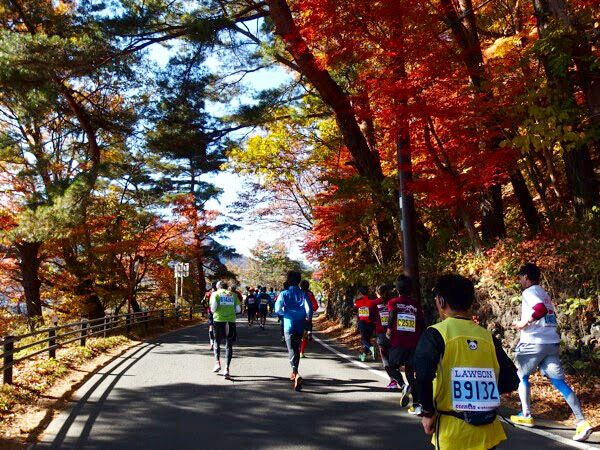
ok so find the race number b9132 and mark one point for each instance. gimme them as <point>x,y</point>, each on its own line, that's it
<point>474,389</point>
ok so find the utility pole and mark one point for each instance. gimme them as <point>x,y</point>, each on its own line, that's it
<point>408,213</point>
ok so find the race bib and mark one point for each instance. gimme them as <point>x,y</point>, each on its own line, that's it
<point>406,322</point>
<point>251,301</point>
<point>474,389</point>
<point>263,301</point>
<point>226,300</point>
<point>384,316</point>
<point>549,319</point>
<point>363,312</point>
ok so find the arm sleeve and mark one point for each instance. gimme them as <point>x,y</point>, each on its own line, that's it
<point>238,304</point>
<point>213,302</point>
<point>392,324</point>
<point>539,311</point>
<point>508,380</point>
<point>279,305</point>
<point>308,308</point>
<point>427,357</point>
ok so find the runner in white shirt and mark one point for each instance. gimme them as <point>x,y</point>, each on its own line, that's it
<point>539,346</point>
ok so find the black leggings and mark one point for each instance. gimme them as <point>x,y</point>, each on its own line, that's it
<point>293,344</point>
<point>366,332</point>
<point>227,331</point>
<point>403,357</point>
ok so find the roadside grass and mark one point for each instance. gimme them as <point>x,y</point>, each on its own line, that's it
<point>34,377</point>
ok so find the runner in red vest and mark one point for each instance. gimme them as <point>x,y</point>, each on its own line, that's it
<point>305,286</point>
<point>365,311</point>
<point>384,294</point>
<point>406,327</point>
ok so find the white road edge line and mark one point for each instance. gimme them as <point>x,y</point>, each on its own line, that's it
<point>562,440</point>
<point>383,375</point>
<point>379,373</point>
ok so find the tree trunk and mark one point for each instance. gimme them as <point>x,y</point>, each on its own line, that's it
<point>201,277</point>
<point>407,209</point>
<point>470,227</point>
<point>92,306</point>
<point>582,179</point>
<point>539,185</point>
<point>526,201</point>
<point>492,215</point>
<point>29,263</point>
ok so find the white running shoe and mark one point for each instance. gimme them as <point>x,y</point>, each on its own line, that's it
<point>415,410</point>
<point>217,367</point>
<point>404,398</point>
<point>583,432</point>
<point>225,373</point>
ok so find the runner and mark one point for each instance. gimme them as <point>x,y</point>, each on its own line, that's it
<point>263,300</point>
<point>295,309</point>
<point>286,286</point>
<point>307,336</point>
<point>384,293</point>
<point>225,305</point>
<point>211,322</point>
<point>461,372</point>
<point>235,289</point>
<point>251,306</point>
<point>272,296</point>
<point>539,346</point>
<point>406,327</point>
<point>365,313</point>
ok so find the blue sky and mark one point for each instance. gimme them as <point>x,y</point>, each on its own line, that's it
<point>232,184</point>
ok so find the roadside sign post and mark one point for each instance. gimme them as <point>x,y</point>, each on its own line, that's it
<point>181,270</point>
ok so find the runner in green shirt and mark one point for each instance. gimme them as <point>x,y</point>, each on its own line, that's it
<point>224,304</point>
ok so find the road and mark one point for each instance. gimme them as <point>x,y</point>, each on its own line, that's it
<point>163,395</point>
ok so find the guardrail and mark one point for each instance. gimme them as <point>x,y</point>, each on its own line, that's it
<point>78,331</point>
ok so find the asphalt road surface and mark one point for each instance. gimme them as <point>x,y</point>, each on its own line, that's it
<point>163,395</point>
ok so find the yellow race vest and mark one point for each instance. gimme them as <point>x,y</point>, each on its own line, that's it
<point>466,380</point>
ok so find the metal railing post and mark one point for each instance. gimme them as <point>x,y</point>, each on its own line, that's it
<point>9,345</point>
<point>84,326</point>
<point>191,312</point>
<point>128,322</point>
<point>104,325</point>
<point>52,343</point>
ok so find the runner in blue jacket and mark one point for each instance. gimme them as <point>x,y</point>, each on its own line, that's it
<point>295,309</point>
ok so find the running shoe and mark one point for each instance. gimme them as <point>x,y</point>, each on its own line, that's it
<point>392,385</point>
<point>302,355</point>
<point>217,367</point>
<point>583,431</point>
<point>404,396</point>
<point>226,374</point>
<point>362,357</point>
<point>415,410</point>
<point>298,383</point>
<point>520,419</point>
<point>372,348</point>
